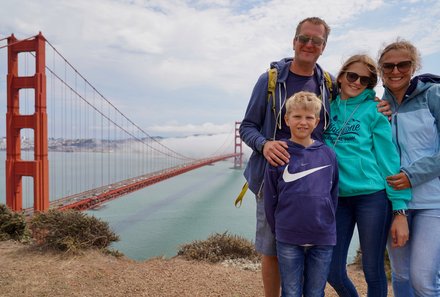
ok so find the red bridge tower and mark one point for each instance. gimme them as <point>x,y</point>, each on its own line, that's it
<point>238,148</point>
<point>16,168</point>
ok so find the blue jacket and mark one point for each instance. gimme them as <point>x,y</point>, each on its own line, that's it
<point>416,128</point>
<point>361,138</point>
<point>300,198</point>
<point>259,121</point>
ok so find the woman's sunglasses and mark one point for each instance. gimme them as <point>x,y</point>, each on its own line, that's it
<point>352,77</point>
<point>403,67</point>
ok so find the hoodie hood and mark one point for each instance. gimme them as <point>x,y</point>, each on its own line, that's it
<point>297,147</point>
<point>420,83</point>
<point>367,94</point>
<point>283,68</point>
<point>417,85</point>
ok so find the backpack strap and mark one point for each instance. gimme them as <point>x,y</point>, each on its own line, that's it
<point>329,84</point>
<point>271,85</point>
<point>240,196</point>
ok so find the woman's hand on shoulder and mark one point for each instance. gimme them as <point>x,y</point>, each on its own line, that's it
<point>384,107</point>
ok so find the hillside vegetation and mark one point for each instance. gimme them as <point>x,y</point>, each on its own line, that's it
<point>67,254</point>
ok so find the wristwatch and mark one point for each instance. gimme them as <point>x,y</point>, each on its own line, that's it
<point>262,145</point>
<point>400,212</point>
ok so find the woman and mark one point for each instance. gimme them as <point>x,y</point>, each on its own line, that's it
<point>361,138</point>
<point>415,103</point>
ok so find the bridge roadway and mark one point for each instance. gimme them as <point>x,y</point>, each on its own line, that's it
<point>95,197</point>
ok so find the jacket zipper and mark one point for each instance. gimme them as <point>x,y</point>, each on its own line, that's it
<point>397,134</point>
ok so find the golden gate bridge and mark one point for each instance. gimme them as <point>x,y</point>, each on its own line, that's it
<point>99,153</point>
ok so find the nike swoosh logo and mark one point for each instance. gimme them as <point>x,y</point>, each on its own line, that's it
<point>290,177</point>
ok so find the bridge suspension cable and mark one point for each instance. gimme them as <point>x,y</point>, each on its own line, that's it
<point>93,146</point>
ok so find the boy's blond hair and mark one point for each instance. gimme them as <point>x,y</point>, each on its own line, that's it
<point>304,100</point>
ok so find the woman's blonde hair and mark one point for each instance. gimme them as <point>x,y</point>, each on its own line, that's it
<point>304,100</point>
<point>367,61</point>
<point>405,45</point>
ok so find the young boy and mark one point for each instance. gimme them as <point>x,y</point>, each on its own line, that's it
<point>300,202</point>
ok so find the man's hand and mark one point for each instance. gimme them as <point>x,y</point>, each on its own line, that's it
<point>276,153</point>
<point>399,181</point>
<point>399,231</point>
<point>383,107</point>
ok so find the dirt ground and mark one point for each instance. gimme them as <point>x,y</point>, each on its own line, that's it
<point>26,272</point>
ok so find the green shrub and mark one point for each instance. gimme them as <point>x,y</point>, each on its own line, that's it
<point>71,231</point>
<point>12,225</point>
<point>219,247</point>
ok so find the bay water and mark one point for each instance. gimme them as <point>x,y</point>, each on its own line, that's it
<point>155,221</point>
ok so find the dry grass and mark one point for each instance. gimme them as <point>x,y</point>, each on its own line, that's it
<point>28,272</point>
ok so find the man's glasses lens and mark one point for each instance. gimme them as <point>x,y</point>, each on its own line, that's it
<point>403,66</point>
<point>315,39</point>
<point>352,77</point>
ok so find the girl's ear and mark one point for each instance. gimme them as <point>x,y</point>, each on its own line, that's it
<point>339,81</point>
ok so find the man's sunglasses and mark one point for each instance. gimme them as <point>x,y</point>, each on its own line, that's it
<point>403,67</point>
<point>317,41</point>
<point>352,77</point>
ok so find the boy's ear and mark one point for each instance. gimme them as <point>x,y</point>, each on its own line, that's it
<point>286,120</point>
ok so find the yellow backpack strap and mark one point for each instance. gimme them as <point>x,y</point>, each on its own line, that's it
<point>271,83</point>
<point>240,196</point>
<point>329,83</point>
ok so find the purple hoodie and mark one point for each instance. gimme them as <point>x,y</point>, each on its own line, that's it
<point>301,197</point>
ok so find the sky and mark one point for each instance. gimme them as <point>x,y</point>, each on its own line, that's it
<point>183,67</point>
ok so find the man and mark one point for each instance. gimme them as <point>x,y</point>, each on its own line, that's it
<point>263,126</point>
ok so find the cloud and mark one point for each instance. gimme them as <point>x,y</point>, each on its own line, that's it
<point>175,128</point>
<point>199,146</point>
<point>195,62</point>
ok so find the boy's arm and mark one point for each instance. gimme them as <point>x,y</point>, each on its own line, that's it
<point>270,195</point>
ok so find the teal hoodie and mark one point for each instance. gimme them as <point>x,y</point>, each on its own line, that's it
<point>362,140</point>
